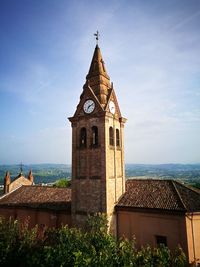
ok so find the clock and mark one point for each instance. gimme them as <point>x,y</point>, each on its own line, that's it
<point>89,106</point>
<point>112,107</point>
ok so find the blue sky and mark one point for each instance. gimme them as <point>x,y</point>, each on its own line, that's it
<point>152,53</point>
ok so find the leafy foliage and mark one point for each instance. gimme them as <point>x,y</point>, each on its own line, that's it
<point>64,182</point>
<point>196,185</point>
<point>21,246</point>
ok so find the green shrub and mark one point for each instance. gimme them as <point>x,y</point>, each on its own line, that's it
<point>24,247</point>
<point>64,182</point>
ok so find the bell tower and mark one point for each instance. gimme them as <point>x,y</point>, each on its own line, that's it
<point>98,175</point>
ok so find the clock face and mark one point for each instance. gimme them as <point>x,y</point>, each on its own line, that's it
<point>112,107</point>
<point>89,106</point>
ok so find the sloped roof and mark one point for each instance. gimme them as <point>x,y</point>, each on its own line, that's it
<point>20,175</point>
<point>44,197</point>
<point>97,66</point>
<point>160,194</point>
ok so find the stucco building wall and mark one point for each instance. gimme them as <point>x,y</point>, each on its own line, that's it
<point>193,237</point>
<point>146,226</point>
<point>36,216</point>
<point>17,183</point>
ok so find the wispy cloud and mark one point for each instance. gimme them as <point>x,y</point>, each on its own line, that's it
<point>151,53</point>
<point>185,20</point>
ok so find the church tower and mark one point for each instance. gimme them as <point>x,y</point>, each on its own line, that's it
<point>98,175</point>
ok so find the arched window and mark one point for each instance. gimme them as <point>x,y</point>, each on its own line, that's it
<point>94,136</point>
<point>83,137</point>
<point>117,138</point>
<point>111,136</point>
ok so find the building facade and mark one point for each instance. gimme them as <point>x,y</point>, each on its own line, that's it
<point>161,212</point>
<point>44,206</point>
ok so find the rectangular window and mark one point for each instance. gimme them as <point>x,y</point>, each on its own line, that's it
<point>161,240</point>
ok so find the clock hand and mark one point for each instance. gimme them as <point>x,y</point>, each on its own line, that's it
<point>90,106</point>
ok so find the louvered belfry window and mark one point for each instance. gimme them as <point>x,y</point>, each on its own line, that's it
<point>111,136</point>
<point>83,137</point>
<point>117,138</point>
<point>94,136</point>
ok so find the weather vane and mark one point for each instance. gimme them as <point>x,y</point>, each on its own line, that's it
<point>97,36</point>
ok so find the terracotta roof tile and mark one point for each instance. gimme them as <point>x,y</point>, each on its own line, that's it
<point>159,194</point>
<point>39,197</point>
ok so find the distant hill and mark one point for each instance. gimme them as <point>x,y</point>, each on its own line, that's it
<point>186,172</point>
<point>48,173</point>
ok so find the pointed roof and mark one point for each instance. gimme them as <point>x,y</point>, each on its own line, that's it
<point>88,94</point>
<point>160,195</point>
<point>30,176</point>
<point>19,175</point>
<point>97,66</point>
<point>98,88</point>
<point>7,178</point>
<point>112,97</point>
<point>97,77</point>
<point>7,181</point>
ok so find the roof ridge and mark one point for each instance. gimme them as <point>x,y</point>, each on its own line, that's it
<point>188,187</point>
<point>7,194</point>
<point>45,186</point>
<point>148,179</point>
<point>121,197</point>
<point>179,195</point>
<point>171,196</point>
<point>109,95</point>
<point>96,98</point>
<point>18,176</point>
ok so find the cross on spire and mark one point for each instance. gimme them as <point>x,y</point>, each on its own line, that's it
<point>97,36</point>
<point>21,167</point>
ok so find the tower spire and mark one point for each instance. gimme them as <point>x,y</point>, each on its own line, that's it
<point>97,76</point>
<point>30,176</point>
<point>6,182</point>
<point>97,66</point>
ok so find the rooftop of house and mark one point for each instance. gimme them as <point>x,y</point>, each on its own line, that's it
<point>151,194</point>
<point>42,197</point>
<point>157,194</point>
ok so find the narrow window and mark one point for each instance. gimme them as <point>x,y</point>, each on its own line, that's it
<point>83,137</point>
<point>111,136</point>
<point>94,136</point>
<point>161,240</point>
<point>117,138</point>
